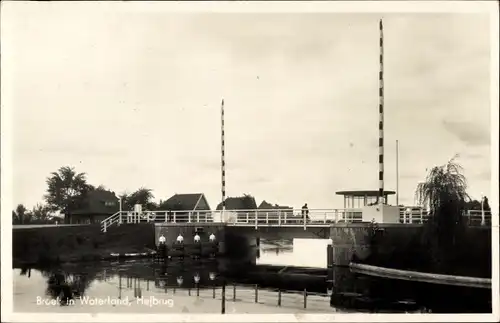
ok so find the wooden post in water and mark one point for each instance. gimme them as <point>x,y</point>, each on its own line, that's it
<point>197,290</point>
<point>213,291</point>
<point>279,297</point>
<point>223,310</point>
<point>234,292</point>
<point>305,298</point>
<point>256,293</point>
<point>139,289</point>
<point>119,286</point>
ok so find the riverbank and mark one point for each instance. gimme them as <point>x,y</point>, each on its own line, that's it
<point>80,243</point>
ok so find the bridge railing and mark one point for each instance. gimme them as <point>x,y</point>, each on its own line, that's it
<point>202,216</point>
<point>242,217</point>
<point>274,217</point>
<point>418,215</point>
<point>256,217</point>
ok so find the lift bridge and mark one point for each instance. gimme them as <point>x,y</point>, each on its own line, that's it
<point>355,204</point>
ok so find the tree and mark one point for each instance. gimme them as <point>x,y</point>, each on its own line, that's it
<point>476,205</point>
<point>444,191</point>
<point>66,190</point>
<point>473,205</point>
<point>20,215</point>
<point>41,213</point>
<point>143,196</point>
<point>99,188</point>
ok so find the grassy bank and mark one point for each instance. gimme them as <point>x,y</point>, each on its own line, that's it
<point>80,243</point>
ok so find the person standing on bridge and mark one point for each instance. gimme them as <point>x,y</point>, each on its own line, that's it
<point>305,212</point>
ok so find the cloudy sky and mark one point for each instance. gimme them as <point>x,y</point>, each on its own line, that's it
<point>133,99</point>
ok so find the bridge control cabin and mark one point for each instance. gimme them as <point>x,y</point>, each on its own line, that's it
<point>359,200</point>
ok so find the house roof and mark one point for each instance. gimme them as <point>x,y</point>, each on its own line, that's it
<point>268,206</point>
<point>265,205</point>
<point>186,202</point>
<point>239,203</point>
<point>95,203</point>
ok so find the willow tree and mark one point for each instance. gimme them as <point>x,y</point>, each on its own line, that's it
<point>444,192</point>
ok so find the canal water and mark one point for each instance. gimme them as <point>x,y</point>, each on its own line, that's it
<point>194,286</point>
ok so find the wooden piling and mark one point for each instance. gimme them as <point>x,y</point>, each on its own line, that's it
<point>223,310</point>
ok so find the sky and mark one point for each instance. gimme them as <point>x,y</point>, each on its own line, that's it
<point>132,98</point>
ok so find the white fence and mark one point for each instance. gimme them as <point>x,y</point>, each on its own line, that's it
<point>271,217</point>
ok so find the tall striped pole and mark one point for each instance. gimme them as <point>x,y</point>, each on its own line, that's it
<point>223,161</point>
<point>381,118</point>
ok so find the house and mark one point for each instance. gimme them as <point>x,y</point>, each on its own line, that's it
<point>187,202</point>
<point>280,210</point>
<point>245,202</point>
<point>268,206</point>
<point>239,203</point>
<point>97,206</point>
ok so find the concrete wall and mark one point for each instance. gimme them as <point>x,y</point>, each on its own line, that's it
<point>188,230</point>
<point>78,243</point>
<point>471,254</point>
<point>352,238</point>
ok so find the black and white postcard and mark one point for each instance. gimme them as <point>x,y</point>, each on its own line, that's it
<point>249,161</point>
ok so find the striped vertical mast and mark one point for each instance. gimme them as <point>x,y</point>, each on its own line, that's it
<point>381,117</point>
<point>223,159</point>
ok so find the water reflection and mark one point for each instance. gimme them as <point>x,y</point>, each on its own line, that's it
<point>277,287</point>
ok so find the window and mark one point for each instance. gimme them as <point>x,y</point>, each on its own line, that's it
<point>109,203</point>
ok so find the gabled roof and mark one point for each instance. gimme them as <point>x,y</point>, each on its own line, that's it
<point>268,206</point>
<point>95,203</point>
<point>181,202</point>
<point>265,205</point>
<point>239,203</point>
